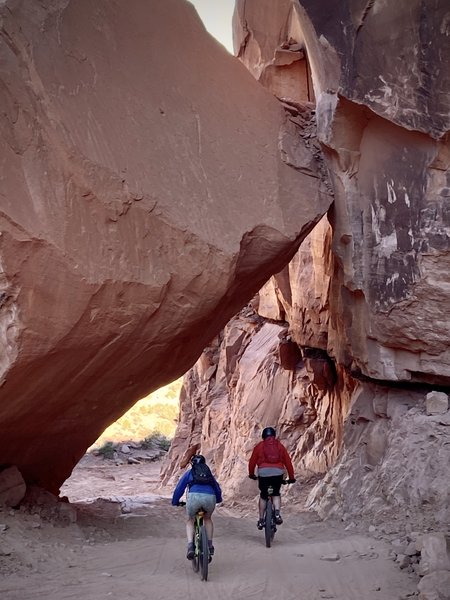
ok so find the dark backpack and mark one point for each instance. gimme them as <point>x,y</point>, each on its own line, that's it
<point>271,451</point>
<point>201,474</point>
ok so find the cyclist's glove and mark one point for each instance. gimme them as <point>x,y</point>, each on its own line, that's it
<point>253,477</point>
<point>291,481</point>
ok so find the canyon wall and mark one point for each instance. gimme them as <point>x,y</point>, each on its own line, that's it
<point>346,350</point>
<point>149,187</point>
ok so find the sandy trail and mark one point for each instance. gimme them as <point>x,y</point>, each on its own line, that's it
<point>140,555</point>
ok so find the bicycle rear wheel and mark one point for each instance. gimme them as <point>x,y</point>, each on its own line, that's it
<point>204,553</point>
<point>268,531</point>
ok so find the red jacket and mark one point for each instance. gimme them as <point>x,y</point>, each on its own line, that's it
<point>257,459</point>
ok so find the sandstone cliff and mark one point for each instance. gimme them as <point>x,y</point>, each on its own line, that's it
<point>144,200</point>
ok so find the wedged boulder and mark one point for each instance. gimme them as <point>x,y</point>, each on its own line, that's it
<point>144,200</point>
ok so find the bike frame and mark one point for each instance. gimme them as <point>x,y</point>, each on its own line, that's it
<point>201,558</point>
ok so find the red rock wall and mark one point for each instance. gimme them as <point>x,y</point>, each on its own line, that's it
<point>356,327</point>
<point>253,376</point>
<point>382,118</point>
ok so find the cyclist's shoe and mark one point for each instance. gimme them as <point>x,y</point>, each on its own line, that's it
<point>190,551</point>
<point>211,553</point>
<point>278,519</point>
<point>260,524</point>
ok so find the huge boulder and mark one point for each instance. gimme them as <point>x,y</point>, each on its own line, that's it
<point>144,200</point>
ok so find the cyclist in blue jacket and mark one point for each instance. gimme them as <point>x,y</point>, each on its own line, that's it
<point>201,495</point>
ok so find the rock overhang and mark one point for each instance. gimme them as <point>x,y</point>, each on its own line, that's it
<point>144,201</point>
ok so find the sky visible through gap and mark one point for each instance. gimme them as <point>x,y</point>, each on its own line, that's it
<point>217,16</point>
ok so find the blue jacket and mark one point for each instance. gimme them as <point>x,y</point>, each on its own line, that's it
<point>196,487</point>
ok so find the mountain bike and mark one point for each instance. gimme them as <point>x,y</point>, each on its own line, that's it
<point>270,525</point>
<point>202,558</point>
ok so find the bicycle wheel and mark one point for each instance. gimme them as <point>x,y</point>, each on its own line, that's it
<point>268,532</point>
<point>204,553</point>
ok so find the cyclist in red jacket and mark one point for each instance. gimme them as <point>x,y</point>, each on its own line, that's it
<point>272,460</point>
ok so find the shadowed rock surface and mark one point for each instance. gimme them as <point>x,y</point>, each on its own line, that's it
<point>144,200</point>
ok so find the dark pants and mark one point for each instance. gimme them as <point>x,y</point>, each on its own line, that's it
<point>264,482</point>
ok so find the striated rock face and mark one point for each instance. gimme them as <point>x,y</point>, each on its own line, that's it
<point>382,119</point>
<point>251,376</point>
<point>149,187</point>
<point>348,354</point>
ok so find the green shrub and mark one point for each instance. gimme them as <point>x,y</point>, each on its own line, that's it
<point>107,450</point>
<point>156,440</point>
<point>164,443</point>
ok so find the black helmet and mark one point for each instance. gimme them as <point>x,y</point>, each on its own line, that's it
<point>268,431</point>
<point>197,459</point>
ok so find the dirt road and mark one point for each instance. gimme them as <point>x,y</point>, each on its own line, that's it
<point>140,554</point>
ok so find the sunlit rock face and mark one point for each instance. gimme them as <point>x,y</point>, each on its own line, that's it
<point>149,187</point>
<point>251,376</point>
<point>356,325</point>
